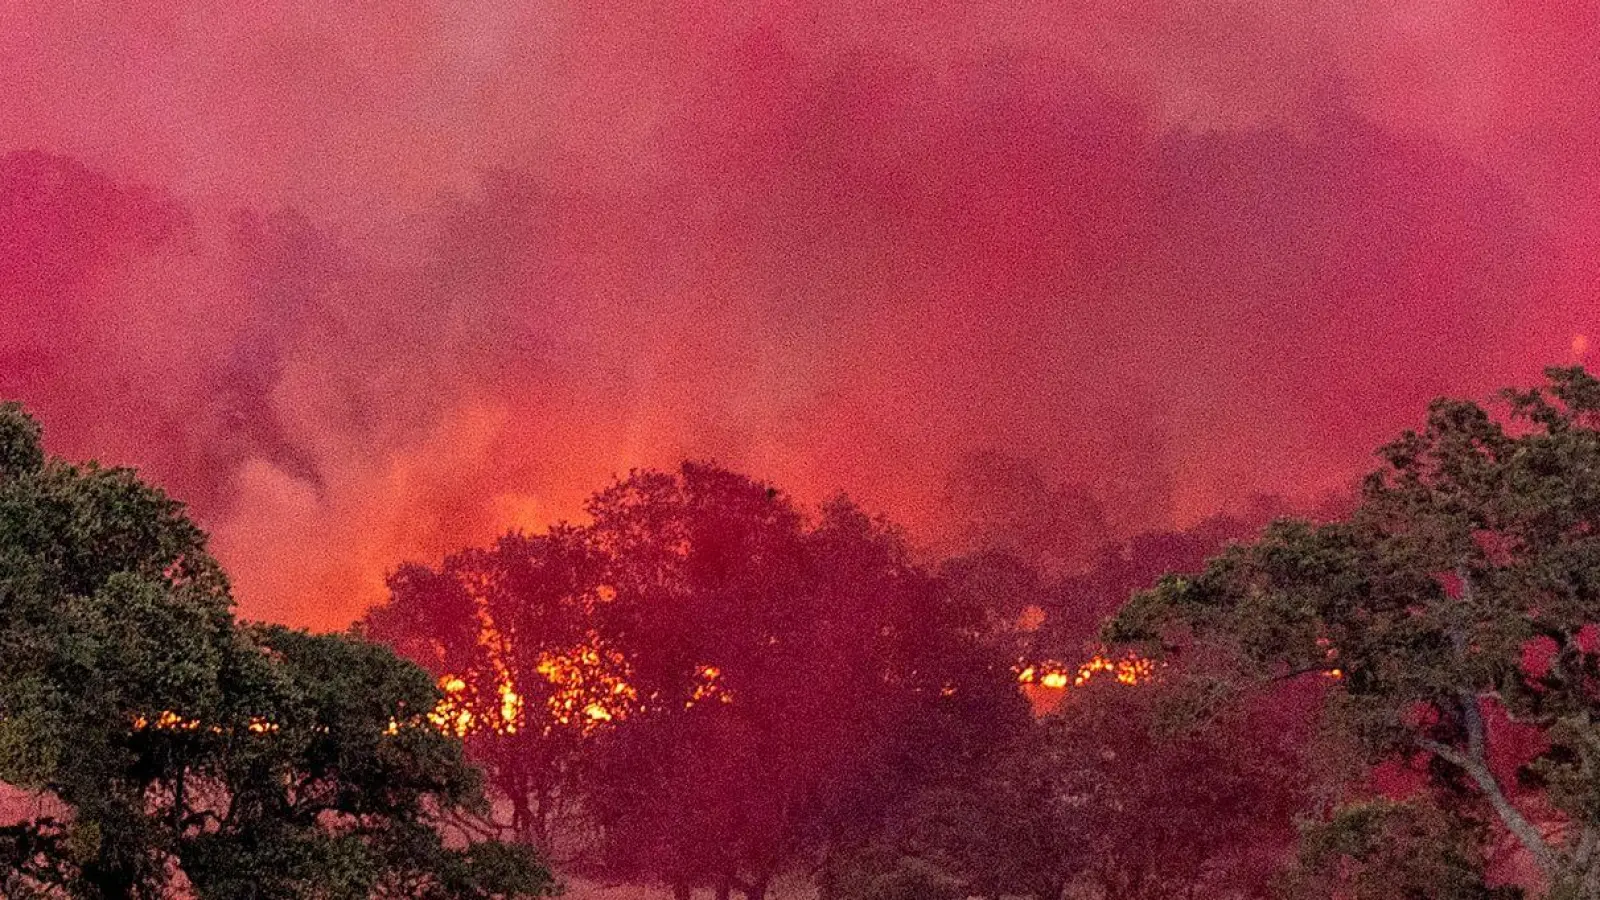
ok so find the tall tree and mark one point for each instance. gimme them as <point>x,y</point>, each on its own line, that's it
<point>850,672</point>
<point>708,784</point>
<point>749,686</point>
<point>1462,592</point>
<point>511,632</point>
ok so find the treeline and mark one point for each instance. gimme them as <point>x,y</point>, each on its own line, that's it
<point>710,687</point>
<point>710,684</point>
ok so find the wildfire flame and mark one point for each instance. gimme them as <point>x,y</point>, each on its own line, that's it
<point>172,721</point>
<point>584,687</point>
<point>709,687</point>
<point>1129,670</point>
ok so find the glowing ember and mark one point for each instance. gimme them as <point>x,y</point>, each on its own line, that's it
<point>166,721</point>
<point>171,721</point>
<point>710,687</point>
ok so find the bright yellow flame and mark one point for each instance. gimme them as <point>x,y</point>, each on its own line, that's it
<point>452,713</point>
<point>581,687</point>
<point>510,708</point>
<point>1058,676</point>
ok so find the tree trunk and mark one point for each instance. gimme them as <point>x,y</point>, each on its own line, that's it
<point>1475,761</point>
<point>522,818</point>
<point>539,827</point>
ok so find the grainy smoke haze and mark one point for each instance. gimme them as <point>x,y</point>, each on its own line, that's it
<point>372,281</point>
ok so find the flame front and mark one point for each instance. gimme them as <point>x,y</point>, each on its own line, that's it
<point>1130,670</point>
<point>583,687</point>
<point>586,687</point>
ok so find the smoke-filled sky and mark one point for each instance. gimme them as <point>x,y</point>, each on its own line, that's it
<point>369,281</point>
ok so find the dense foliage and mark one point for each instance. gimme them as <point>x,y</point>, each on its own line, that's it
<point>712,687</point>
<point>708,686</point>
<point>718,685</point>
<point>1457,605</point>
<point>181,746</point>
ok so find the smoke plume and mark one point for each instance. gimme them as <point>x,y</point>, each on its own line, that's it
<point>373,282</point>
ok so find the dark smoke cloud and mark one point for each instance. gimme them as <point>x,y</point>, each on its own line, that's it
<point>370,283</point>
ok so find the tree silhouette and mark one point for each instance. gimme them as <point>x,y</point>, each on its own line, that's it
<point>1456,606</point>
<point>255,762</point>
<point>768,683</point>
<point>511,633</point>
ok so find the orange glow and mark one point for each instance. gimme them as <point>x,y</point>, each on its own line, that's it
<point>582,687</point>
<point>1054,675</point>
<point>1045,683</point>
<point>709,688</point>
<point>452,714</point>
<point>167,721</point>
<point>586,687</point>
<point>171,721</point>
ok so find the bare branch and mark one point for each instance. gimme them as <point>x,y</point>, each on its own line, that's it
<point>1526,833</point>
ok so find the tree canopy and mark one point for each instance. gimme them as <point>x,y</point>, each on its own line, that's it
<point>183,746</point>
<point>1454,614</point>
<point>740,686</point>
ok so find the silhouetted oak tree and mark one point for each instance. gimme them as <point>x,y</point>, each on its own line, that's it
<point>1463,590</point>
<point>512,627</point>
<point>775,680</point>
<point>252,762</point>
<point>852,674</point>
